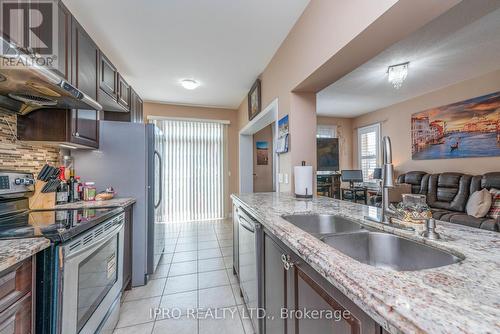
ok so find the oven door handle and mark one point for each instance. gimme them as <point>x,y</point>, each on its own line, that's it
<point>98,242</point>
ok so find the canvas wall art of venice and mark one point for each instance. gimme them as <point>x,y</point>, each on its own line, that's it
<point>465,129</point>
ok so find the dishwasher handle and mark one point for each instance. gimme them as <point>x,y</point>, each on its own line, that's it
<point>246,224</point>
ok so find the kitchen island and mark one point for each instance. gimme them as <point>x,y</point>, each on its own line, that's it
<point>459,298</point>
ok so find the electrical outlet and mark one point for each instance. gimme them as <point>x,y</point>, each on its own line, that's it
<point>280,177</point>
<point>286,178</point>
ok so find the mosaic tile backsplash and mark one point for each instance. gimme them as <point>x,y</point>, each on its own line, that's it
<point>17,155</point>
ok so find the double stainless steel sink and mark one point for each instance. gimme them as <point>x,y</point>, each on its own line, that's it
<point>370,246</point>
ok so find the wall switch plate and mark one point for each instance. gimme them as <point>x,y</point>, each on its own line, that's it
<point>280,177</point>
<point>286,178</point>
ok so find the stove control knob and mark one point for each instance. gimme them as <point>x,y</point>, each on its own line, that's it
<point>24,181</point>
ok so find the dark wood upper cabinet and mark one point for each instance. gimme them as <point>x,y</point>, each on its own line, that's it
<point>80,62</point>
<point>136,111</point>
<point>140,110</point>
<point>136,107</point>
<point>84,60</point>
<point>85,123</point>
<point>61,47</point>
<point>64,42</point>
<point>76,127</point>
<point>59,126</point>
<point>107,94</point>
<point>108,76</point>
<point>123,92</point>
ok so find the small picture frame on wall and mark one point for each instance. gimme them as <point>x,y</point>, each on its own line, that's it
<point>283,135</point>
<point>254,100</point>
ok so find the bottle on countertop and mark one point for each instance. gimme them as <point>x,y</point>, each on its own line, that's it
<point>62,193</point>
<point>71,188</point>
<point>76,189</point>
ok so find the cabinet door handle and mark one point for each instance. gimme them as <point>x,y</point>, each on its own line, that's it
<point>287,264</point>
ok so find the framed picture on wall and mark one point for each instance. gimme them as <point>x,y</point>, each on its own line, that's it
<point>464,129</point>
<point>254,100</point>
<point>283,133</point>
<point>262,152</point>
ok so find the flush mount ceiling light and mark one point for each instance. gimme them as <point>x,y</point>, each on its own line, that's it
<point>190,84</point>
<point>397,74</point>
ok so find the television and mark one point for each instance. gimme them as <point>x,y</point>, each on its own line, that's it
<point>327,154</point>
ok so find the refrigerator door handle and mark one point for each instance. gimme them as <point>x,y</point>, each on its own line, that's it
<point>160,191</point>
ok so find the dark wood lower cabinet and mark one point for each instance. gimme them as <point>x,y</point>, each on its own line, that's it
<point>299,300</point>
<point>127,248</point>
<point>16,305</point>
<point>275,287</point>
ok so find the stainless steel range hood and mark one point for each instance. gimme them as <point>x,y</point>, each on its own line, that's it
<point>27,88</point>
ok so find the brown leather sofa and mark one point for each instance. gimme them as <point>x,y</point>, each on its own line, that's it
<point>447,195</point>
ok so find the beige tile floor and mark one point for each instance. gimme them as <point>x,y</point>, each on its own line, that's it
<point>195,272</point>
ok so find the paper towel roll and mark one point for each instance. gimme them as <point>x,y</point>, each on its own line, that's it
<point>303,176</point>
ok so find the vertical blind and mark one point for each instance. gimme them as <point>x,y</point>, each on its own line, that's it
<point>326,131</point>
<point>368,148</point>
<point>194,169</point>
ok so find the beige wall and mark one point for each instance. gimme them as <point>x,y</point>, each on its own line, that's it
<point>396,124</point>
<point>344,133</point>
<point>325,30</point>
<point>318,34</point>
<point>169,110</point>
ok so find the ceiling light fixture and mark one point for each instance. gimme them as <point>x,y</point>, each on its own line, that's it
<point>397,74</point>
<point>190,84</point>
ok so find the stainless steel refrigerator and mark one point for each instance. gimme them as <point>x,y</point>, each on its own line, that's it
<point>130,159</point>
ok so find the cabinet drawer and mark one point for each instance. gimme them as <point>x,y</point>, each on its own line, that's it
<point>17,318</point>
<point>15,284</point>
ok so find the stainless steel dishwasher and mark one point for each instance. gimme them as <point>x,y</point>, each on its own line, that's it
<point>249,268</point>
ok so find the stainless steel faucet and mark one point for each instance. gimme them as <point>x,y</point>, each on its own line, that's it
<point>387,177</point>
<point>430,230</point>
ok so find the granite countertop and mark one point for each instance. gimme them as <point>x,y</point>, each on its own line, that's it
<point>459,298</point>
<point>123,202</point>
<point>16,250</point>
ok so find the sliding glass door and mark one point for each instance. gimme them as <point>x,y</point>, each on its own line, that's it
<point>194,169</point>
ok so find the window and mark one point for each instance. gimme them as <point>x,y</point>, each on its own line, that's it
<point>326,131</point>
<point>194,168</point>
<point>369,150</point>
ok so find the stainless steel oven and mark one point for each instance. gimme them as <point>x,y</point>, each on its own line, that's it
<point>92,276</point>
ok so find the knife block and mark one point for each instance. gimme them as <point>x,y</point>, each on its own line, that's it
<point>41,200</point>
